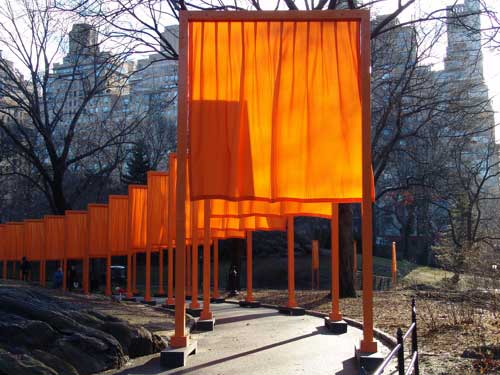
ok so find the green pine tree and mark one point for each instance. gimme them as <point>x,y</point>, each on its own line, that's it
<point>137,165</point>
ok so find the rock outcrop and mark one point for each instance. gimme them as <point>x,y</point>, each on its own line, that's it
<point>44,335</point>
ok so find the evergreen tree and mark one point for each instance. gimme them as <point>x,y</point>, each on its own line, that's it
<point>137,165</point>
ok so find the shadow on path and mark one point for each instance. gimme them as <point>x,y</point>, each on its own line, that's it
<point>152,367</point>
<point>241,318</point>
<point>243,354</point>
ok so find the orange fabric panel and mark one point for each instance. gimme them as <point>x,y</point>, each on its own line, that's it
<point>34,239</point>
<point>228,233</point>
<point>118,224</point>
<point>225,208</point>
<point>252,223</point>
<point>76,234</point>
<point>138,205</point>
<point>172,195</point>
<point>158,187</point>
<point>54,237</point>
<point>275,110</point>
<point>3,239</point>
<point>10,245</point>
<point>98,229</point>
<point>18,240</point>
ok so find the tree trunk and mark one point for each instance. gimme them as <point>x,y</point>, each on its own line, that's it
<point>347,288</point>
<point>60,205</point>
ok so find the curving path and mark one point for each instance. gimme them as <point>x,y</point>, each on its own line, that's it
<point>262,341</point>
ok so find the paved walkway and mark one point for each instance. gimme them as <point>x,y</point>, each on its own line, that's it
<point>262,341</point>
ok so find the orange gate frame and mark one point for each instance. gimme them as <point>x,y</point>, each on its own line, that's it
<point>98,236</point>
<point>3,251</point>
<point>118,237</point>
<point>180,338</point>
<point>157,218</point>
<point>138,228</point>
<point>76,244</point>
<point>34,239</point>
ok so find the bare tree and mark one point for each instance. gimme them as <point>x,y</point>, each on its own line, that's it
<point>51,119</point>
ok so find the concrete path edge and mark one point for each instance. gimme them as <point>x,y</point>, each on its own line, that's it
<point>386,339</point>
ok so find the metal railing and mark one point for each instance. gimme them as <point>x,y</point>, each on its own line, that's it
<point>399,349</point>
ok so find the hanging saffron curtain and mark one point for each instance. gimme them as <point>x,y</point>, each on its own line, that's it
<point>10,245</point>
<point>34,239</point>
<point>118,224</point>
<point>98,230</point>
<point>225,208</point>
<point>275,110</point>
<point>54,237</point>
<point>249,223</point>
<point>138,205</point>
<point>172,196</point>
<point>76,234</point>
<point>172,162</point>
<point>219,234</point>
<point>157,219</point>
<point>18,240</point>
<point>3,249</point>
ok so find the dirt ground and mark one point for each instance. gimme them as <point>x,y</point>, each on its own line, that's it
<point>449,324</point>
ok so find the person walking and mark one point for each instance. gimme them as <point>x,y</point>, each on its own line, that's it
<point>25,269</point>
<point>58,278</point>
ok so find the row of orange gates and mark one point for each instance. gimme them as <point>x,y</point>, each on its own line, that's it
<point>264,134</point>
<point>144,221</point>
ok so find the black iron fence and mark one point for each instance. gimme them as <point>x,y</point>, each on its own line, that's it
<point>399,349</point>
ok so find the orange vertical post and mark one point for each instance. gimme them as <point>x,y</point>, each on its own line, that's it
<point>394,265</point>
<point>65,276</point>
<point>189,253</point>
<point>43,276</point>
<point>334,222</point>
<point>43,265</point>
<point>216,269</point>
<point>355,259</point>
<point>315,265</point>
<point>147,290</point>
<point>134,274</point>
<point>291,263</point>
<point>130,272</point>
<point>367,345</point>
<point>108,276</point>
<point>85,277</point>
<point>194,258</point>
<point>171,229</point>
<point>249,297</point>
<point>170,286</point>
<point>355,263</point>
<point>180,339</point>
<point>161,290</point>
<point>206,314</point>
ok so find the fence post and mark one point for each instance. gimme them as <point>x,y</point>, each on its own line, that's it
<point>414,345</point>
<point>401,352</point>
